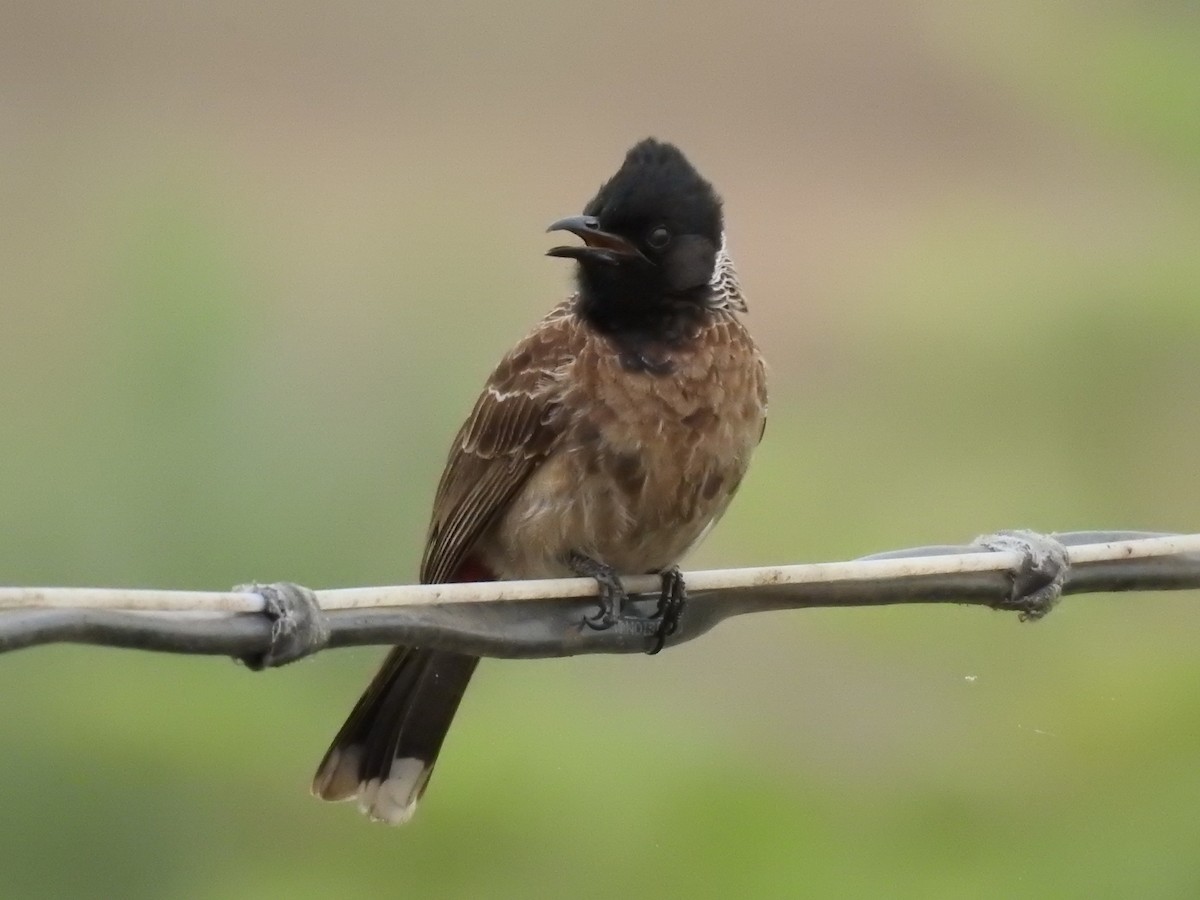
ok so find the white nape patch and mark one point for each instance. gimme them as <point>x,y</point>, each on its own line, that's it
<point>394,800</point>
<point>726,291</point>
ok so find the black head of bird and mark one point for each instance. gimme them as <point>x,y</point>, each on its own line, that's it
<point>650,238</point>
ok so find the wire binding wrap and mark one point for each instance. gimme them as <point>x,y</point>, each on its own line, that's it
<point>298,626</point>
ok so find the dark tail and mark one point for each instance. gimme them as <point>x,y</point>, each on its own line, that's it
<point>385,752</point>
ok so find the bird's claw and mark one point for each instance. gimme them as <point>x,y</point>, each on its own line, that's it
<point>609,614</point>
<point>602,621</point>
<point>671,602</point>
<point>673,591</point>
<point>612,592</point>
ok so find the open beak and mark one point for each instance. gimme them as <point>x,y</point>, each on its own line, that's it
<point>603,246</point>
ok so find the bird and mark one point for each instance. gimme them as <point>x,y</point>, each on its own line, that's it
<point>607,442</point>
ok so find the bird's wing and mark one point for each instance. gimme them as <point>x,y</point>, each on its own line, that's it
<point>513,427</point>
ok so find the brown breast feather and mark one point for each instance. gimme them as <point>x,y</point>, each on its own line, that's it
<point>671,448</point>
<point>566,381</point>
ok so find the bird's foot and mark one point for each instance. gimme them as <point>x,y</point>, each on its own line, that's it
<point>612,592</point>
<point>671,602</point>
<point>659,626</point>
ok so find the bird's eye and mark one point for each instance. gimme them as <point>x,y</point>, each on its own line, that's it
<point>658,237</point>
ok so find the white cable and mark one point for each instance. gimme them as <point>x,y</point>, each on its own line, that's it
<point>556,588</point>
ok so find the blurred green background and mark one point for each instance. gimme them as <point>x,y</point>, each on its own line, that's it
<point>255,260</point>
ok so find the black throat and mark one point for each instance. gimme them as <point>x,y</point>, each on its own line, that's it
<point>646,330</point>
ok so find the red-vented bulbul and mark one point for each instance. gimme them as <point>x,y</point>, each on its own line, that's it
<point>607,442</point>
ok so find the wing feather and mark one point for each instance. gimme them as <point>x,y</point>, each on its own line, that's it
<point>513,427</point>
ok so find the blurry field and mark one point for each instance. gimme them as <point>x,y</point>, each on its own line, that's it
<point>254,264</point>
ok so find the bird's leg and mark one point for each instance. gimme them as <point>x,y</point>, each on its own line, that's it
<point>612,592</point>
<point>673,590</point>
<point>671,602</point>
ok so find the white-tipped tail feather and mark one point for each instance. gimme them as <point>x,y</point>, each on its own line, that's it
<point>384,754</point>
<point>394,800</point>
<point>337,779</point>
